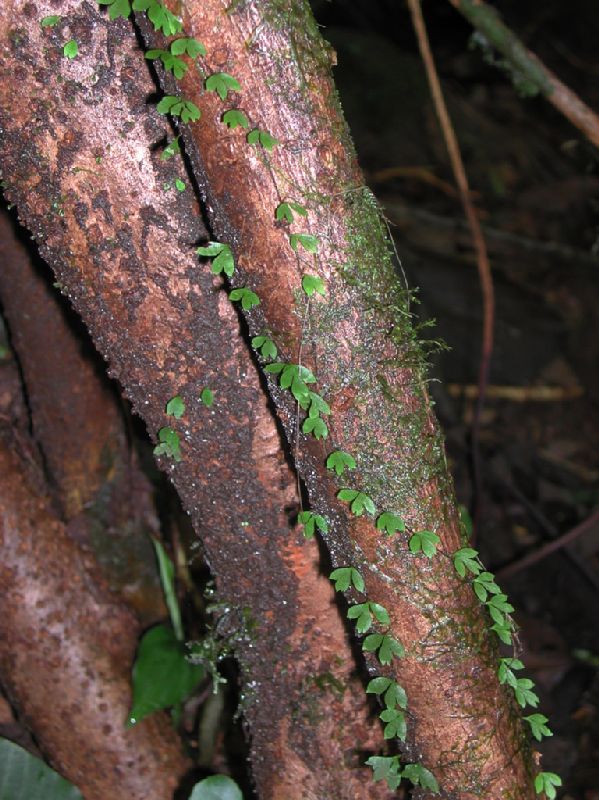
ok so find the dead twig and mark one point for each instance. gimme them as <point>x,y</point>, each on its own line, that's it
<point>551,547</point>
<point>482,258</point>
<point>486,20</point>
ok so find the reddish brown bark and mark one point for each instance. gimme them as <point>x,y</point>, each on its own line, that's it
<point>75,419</point>
<point>66,649</point>
<point>77,422</point>
<point>122,251</point>
<point>359,343</point>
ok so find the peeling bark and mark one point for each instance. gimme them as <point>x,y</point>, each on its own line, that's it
<point>360,344</point>
<point>66,649</point>
<point>121,248</point>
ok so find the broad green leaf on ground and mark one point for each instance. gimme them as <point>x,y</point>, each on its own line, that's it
<point>216,787</point>
<point>162,675</point>
<point>25,777</point>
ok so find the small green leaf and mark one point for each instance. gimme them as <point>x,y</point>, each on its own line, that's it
<point>381,685</point>
<point>546,782</point>
<point>207,397</point>
<point>396,726</point>
<point>169,444</point>
<point>162,675</point>
<point>484,585</point>
<point>300,391</point>
<point>192,47</point>
<point>538,726</point>
<point>386,768</point>
<point>172,148</point>
<point>167,102</point>
<point>222,84</point>
<point>424,542</point>
<point>363,616</point>
<point>306,240</point>
<point>180,185</point>
<point>503,631</point>
<point>387,647</point>
<point>235,119</point>
<point>340,461</point>
<point>248,298</point>
<point>175,407</point>
<point>170,62</point>
<point>317,405</point>
<point>466,560</point>
<point>266,346</point>
<point>284,211</point>
<point>71,49</point>
<point>117,8</point>
<point>390,523</point>
<point>380,612</point>
<point>216,787</point>
<point>504,672</point>
<point>178,107</point>
<point>223,257</point>
<point>420,776</point>
<point>25,777</point>
<point>344,576</point>
<point>49,22</point>
<point>316,427</point>
<point>275,368</point>
<point>160,17</point>
<point>358,501</point>
<point>524,694</point>
<point>499,602</point>
<point>262,138</point>
<point>312,283</point>
<point>311,521</point>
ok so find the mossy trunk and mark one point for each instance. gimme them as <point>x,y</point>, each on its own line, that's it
<point>358,340</point>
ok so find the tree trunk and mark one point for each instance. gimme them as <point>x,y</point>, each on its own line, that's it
<point>121,248</point>
<point>359,342</point>
<point>66,650</point>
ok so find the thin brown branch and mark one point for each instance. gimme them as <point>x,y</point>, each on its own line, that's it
<point>552,547</point>
<point>485,19</point>
<point>482,258</point>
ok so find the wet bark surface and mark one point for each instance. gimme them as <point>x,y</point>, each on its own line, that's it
<point>66,649</point>
<point>359,342</point>
<point>103,207</point>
